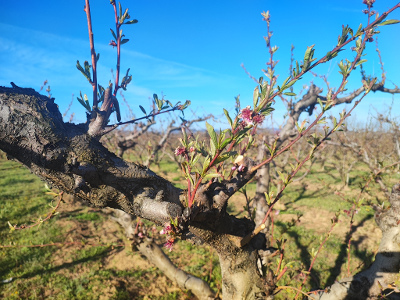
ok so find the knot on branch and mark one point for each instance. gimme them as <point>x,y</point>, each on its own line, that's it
<point>211,198</point>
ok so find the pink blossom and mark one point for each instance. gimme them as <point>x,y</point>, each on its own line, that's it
<point>169,244</point>
<point>167,229</point>
<point>192,149</point>
<point>241,168</point>
<point>250,117</point>
<point>113,44</point>
<point>369,2</point>
<point>258,119</point>
<point>179,151</point>
<point>246,114</point>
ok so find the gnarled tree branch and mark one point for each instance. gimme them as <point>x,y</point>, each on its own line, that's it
<point>63,154</point>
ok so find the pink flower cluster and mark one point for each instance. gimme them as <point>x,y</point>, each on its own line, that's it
<point>113,44</point>
<point>240,168</point>
<point>182,151</point>
<point>237,164</point>
<point>168,231</point>
<point>250,117</point>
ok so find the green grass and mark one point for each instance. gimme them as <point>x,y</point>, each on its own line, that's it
<point>168,167</point>
<point>88,216</point>
<point>23,200</point>
<point>33,272</point>
<point>79,273</point>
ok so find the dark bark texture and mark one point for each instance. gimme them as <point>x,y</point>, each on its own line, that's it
<point>33,132</point>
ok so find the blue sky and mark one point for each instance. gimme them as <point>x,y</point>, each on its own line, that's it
<point>185,49</point>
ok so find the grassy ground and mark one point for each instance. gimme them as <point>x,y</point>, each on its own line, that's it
<point>85,255</point>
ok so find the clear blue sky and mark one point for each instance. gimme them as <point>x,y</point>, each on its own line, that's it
<point>184,49</point>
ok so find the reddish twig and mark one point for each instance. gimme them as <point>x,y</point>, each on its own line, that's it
<point>40,220</point>
<point>93,53</point>
<point>315,256</point>
<point>294,172</point>
<point>117,27</point>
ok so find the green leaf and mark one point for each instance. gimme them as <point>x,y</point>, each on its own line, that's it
<point>360,62</point>
<point>389,22</point>
<point>256,94</point>
<point>286,80</point>
<point>83,100</point>
<point>289,94</point>
<point>143,110</point>
<point>308,57</point>
<point>124,41</point>
<point>225,142</point>
<point>322,121</point>
<point>124,16</point>
<point>212,134</point>
<point>132,22</point>
<point>334,122</point>
<point>228,117</point>
<point>213,148</point>
<point>120,9</point>
<point>267,110</point>
<point>290,83</point>
<point>320,103</point>
<point>11,227</point>
<point>79,67</point>
<point>205,165</point>
<point>117,111</point>
<point>297,68</point>
<point>113,33</point>
<point>158,102</point>
<point>224,157</point>
<point>359,30</point>
<point>87,68</point>
<point>186,104</point>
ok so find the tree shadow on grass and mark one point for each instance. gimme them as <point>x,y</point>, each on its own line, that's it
<point>98,255</point>
<point>341,258</point>
<point>314,194</point>
<point>305,257</point>
<point>304,253</point>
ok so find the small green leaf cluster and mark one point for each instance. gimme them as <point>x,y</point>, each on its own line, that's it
<point>84,101</point>
<point>126,80</point>
<point>85,71</point>
<point>118,38</point>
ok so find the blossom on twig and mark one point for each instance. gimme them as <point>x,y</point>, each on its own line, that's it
<point>250,117</point>
<point>180,151</point>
